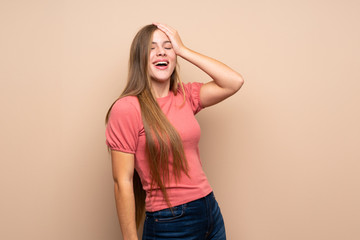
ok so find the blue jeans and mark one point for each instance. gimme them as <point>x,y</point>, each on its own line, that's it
<point>197,220</point>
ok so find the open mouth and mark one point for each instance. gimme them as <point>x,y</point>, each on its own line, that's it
<point>161,63</point>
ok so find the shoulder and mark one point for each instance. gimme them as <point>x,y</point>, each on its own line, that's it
<point>190,87</point>
<point>126,107</point>
<point>125,104</point>
<point>124,125</point>
<point>192,94</point>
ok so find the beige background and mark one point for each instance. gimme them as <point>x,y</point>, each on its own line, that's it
<point>282,155</point>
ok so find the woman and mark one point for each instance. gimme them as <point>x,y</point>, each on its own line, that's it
<point>153,136</point>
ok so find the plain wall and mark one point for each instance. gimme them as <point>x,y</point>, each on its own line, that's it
<point>282,155</point>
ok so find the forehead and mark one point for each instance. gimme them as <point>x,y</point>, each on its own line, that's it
<point>159,36</point>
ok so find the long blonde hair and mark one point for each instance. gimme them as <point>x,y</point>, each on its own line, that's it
<point>162,139</point>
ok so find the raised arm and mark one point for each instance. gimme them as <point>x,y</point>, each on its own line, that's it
<point>123,171</point>
<point>225,82</point>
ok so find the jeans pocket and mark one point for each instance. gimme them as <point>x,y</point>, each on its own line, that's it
<point>170,214</point>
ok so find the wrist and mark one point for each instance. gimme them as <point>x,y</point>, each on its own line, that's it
<point>183,52</point>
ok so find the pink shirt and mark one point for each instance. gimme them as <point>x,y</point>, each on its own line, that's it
<point>125,133</point>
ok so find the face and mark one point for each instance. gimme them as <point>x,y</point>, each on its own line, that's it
<point>162,58</point>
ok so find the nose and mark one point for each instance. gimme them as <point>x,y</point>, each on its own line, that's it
<point>160,51</point>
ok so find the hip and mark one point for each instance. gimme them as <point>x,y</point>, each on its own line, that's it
<point>199,219</point>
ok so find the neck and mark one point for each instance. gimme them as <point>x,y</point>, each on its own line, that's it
<point>160,89</point>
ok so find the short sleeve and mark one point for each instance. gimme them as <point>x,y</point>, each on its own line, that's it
<point>192,95</point>
<point>124,125</point>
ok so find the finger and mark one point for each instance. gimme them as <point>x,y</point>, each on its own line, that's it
<point>165,28</point>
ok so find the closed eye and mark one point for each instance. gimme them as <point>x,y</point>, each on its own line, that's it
<point>167,45</point>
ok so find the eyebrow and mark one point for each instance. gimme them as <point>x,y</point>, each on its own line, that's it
<point>163,42</point>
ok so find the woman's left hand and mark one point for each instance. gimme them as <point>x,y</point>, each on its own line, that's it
<point>173,36</point>
<point>225,82</point>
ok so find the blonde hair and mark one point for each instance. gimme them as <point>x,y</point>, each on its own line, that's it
<point>161,137</point>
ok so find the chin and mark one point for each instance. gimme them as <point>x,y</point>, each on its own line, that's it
<point>161,77</point>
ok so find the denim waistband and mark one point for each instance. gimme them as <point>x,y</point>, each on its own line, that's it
<point>210,195</point>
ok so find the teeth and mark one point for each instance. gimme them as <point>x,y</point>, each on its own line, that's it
<point>161,63</point>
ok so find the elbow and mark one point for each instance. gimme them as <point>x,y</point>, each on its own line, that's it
<point>122,187</point>
<point>122,183</point>
<point>238,82</point>
<point>116,185</point>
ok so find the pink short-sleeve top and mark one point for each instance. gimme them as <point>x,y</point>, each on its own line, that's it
<point>125,133</point>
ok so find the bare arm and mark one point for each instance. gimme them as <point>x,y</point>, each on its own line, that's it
<point>123,170</point>
<point>225,82</point>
